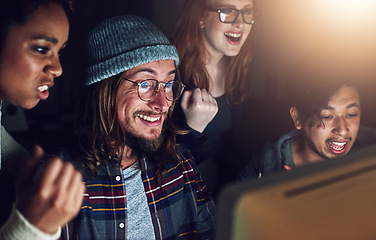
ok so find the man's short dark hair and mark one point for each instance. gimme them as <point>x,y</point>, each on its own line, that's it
<point>312,84</point>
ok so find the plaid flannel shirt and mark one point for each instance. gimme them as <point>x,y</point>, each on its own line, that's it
<point>181,209</point>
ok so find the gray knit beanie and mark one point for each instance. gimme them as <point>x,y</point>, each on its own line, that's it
<point>121,43</point>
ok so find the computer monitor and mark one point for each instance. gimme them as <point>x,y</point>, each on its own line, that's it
<point>332,199</point>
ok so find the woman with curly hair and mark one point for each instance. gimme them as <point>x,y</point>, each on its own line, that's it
<point>32,34</point>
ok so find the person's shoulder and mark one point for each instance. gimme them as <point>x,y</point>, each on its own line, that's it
<point>288,136</point>
<point>275,153</point>
<point>184,159</point>
<point>183,152</point>
<point>67,156</point>
<point>275,147</point>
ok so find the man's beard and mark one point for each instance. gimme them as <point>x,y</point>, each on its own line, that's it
<point>140,145</point>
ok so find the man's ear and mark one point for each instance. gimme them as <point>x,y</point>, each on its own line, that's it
<point>294,113</point>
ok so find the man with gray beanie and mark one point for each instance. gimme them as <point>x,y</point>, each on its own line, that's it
<point>140,184</point>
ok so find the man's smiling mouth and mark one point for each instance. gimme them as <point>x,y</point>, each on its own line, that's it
<point>148,118</point>
<point>337,147</point>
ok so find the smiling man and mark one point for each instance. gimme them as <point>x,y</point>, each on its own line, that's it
<point>325,109</point>
<point>329,133</point>
<point>140,184</point>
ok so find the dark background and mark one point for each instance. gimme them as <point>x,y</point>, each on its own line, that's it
<point>287,29</point>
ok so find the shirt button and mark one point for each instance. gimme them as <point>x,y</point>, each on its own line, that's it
<point>121,225</point>
<point>117,178</point>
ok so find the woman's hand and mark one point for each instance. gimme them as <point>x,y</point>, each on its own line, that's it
<point>55,198</point>
<point>199,108</point>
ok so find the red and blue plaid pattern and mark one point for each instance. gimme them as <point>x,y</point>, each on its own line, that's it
<point>181,207</point>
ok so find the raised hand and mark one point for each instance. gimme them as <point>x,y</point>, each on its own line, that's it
<point>199,108</point>
<point>55,198</point>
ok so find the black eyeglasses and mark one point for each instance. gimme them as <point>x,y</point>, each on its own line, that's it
<point>230,15</point>
<point>148,89</point>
